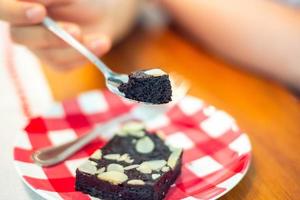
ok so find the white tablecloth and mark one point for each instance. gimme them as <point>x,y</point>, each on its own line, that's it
<point>23,92</point>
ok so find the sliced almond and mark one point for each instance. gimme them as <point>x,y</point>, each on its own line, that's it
<point>155,72</point>
<point>113,177</point>
<point>122,133</point>
<point>173,158</point>
<point>172,148</point>
<point>136,182</point>
<point>101,170</point>
<point>144,145</point>
<point>138,134</point>
<point>131,167</point>
<point>155,176</point>
<point>124,157</point>
<point>145,169</point>
<point>97,154</point>
<point>115,167</point>
<point>112,156</point>
<point>93,163</point>
<point>131,127</point>
<point>155,165</point>
<point>165,169</point>
<point>88,167</point>
<point>128,160</point>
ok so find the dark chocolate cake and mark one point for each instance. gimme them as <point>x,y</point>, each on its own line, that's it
<point>151,86</point>
<point>133,165</point>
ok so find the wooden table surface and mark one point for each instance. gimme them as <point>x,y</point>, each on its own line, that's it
<point>268,112</point>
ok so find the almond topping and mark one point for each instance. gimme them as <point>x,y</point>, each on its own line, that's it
<point>93,163</point>
<point>138,134</point>
<point>131,167</point>
<point>165,169</point>
<point>155,164</point>
<point>172,148</point>
<point>131,127</point>
<point>155,176</point>
<point>88,167</point>
<point>173,158</point>
<point>145,169</point>
<point>124,157</point>
<point>97,155</point>
<point>101,170</point>
<point>115,167</point>
<point>128,160</point>
<point>136,182</point>
<point>121,133</point>
<point>144,145</point>
<point>112,156</point>
<point>113,177</point>
<point>155,72</point>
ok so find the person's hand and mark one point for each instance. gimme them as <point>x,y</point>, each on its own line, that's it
<point>94,23</point>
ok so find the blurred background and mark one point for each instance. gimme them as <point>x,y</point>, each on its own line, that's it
<point>241,56</point>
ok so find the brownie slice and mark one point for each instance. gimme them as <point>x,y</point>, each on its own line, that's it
<point>133,165</point>
<point>151,86</point>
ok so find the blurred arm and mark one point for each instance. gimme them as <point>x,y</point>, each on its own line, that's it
<point>260,34</point>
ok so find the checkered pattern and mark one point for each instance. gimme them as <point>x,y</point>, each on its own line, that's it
<point>216,156</point>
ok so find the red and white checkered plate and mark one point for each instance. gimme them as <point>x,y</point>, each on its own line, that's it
<point>216,153</point>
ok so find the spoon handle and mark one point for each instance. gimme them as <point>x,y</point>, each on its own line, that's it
<point>54,28</point>
<point>53,155</point>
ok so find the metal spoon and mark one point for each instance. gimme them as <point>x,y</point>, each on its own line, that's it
<point>113,79</point>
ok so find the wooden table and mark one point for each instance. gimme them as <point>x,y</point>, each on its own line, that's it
<point>267,111</point>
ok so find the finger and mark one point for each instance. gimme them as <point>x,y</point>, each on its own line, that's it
<point>54,59</point>
<point>37,37</point>
<point>61,55</point>
<point>98,44</point>
<point>66,66</point>
<point>66,12</point>
<point>19,12</point>
<point>69,54</point>
<point>51,2</point>
<point>67,58</point>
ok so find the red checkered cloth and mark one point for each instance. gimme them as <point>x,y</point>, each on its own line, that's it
<point>216,153</point>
